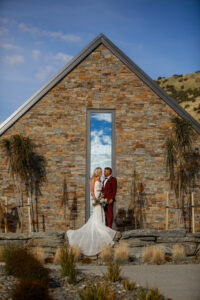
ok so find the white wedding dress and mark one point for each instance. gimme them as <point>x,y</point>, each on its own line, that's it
<point>94,234</point>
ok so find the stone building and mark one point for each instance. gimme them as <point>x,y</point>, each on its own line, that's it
<point>101,78</point>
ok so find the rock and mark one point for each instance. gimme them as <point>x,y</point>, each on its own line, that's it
<point>148,238</point>
<point>189,248</point>
<point>118,235</point>
<point>19,242</point>
<point>139,233</point>
<point>138,242</point>
<point>173,233</point>
<point>45,242</point>
<point>14,236</point>
<point>153,233</point>
<point>176,239</point>
<point>136,253</point>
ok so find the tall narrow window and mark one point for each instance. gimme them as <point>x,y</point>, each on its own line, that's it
<point>100,146</point>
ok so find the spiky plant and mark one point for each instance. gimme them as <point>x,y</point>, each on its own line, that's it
<point>25,166</point>
<point>178,148</point>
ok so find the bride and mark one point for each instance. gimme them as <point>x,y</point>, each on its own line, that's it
<point>93,234</point>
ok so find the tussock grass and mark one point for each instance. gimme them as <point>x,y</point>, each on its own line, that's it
<point>128,285</point>
<point>21,263</point>
<point>121,252</point>
<point>67,262</point>
<point>38,253</point>
<point>106,253</point>
<point>76,250</point>
<point>149,294</point>
<point>28,289</point>
<point>178,251</point>
<point>97,292</point>
<point>114,271</point>
<point>154,254</point>
<point>57,256</point>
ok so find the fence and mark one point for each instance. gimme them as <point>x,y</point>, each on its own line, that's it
<point>187,206</point>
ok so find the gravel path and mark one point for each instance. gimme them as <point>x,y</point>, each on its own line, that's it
<point>178,282</point>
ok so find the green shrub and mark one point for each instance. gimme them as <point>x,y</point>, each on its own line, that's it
<point>22,264</point>
<point>149,294</point>
<point>28,289</point>
<point>96,292</point>
<point>67,261</point>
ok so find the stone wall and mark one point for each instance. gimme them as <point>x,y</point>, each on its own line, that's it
<point>57,124</point>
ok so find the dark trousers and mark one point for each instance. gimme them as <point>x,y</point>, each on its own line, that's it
<point>109,215</point>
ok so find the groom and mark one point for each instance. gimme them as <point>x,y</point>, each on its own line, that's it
<point>109,190</point>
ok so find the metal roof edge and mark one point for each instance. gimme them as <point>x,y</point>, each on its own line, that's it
<point>151,83</point>
<point>51,83</point>
<point>100,39</point>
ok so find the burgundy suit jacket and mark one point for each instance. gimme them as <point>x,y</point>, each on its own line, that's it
<point>110,189</point>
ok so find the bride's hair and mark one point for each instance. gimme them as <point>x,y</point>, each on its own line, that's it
<point>96,172</point>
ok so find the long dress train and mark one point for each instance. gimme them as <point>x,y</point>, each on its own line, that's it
<point>94,233</point>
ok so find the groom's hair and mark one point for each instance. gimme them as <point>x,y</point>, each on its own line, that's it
<point>107,168</point>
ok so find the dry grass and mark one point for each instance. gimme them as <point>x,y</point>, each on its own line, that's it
<point>154,254</point>
<point>75,250</point>
<point>106,253</point>
<point>38,253</point>
<point>57,256</point>
<point>178,251</point>
<point>121,252</point>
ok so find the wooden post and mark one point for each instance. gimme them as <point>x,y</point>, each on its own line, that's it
<point>167,211</point>
<point>6,210</point>
<point>193,223</point>
<point>29,214</point>
<point>6,205</point>
<point>3,215</point>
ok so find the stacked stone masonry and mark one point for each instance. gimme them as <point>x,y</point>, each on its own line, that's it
<point>57,124</point>
<point>137,240</point>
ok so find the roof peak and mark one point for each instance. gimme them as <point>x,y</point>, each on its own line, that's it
<point>99,39</point>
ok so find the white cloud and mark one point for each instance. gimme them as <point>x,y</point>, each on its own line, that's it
<point>3,30</point>
<point>30,29</point>
<point>9,46</point>
<point>36,54</point>
<point>107,139</point>
<point>6,21</point>
<point>100,150</point>
<point>13,60</point>
<point>65,37</point>
<point>103,117</point>
<point>62,57</point>
<point>52,34</point>
<point>44,73</point>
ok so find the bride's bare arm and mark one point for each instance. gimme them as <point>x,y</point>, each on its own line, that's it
<point>92,188</point>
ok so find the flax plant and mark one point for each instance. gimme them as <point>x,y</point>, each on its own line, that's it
<point>25,166</point>
<point>178,147</point>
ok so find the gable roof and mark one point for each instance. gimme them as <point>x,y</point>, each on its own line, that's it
<point>100,39</point>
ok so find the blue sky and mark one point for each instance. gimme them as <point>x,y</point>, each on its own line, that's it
<point>37,38</point>
<point>101,140</point>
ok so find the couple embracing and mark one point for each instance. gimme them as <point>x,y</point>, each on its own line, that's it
<point>97,231</point>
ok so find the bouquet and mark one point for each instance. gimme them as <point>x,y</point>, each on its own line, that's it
<point>100,200</point>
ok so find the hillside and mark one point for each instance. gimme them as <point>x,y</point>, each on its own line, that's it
<point>185,89</point>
